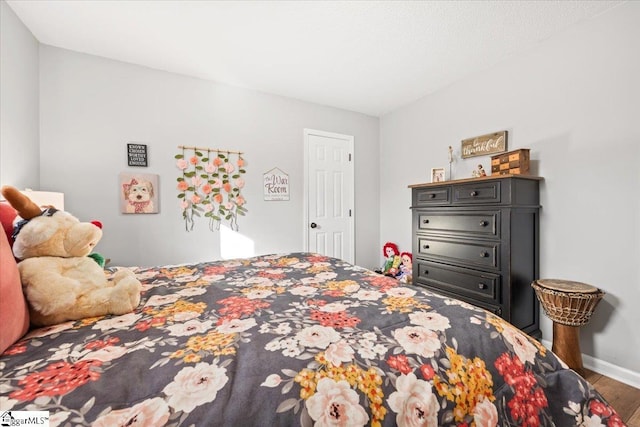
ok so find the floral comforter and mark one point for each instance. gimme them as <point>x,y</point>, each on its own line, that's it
<point>295,339</point>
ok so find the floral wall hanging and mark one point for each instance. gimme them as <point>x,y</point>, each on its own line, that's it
<point>209,185</point>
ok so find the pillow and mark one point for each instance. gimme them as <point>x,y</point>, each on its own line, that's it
<point>14,313</point>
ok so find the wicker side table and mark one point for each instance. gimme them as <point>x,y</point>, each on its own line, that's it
<point>569,305</point>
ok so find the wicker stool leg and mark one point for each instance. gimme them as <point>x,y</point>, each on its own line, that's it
<point>566,344</point>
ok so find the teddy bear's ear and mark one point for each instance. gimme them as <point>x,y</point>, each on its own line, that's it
<point>21,203</point>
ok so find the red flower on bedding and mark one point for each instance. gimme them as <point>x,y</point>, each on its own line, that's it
<point>528,397</point>
<point>98,344</point>
<point>211,270</point>
<point>600,409</point>
<point>400,363</point>
<point>381,282</point>
<point>57,379</point>
<point>236,307</point>
<point>17,348</point>
<point>339,319</point>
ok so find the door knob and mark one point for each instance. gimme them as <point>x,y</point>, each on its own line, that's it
<point>313,225</point>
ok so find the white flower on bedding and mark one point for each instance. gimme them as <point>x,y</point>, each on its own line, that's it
<point>283,328</point>
<point>334,307</point>
<point>485,414</point>
<point>475,321</point>
<point>592,421</point>
<point>326,275</point>
<point>148,413</point>
<point>417,340</point>
<point>144,275</point>
<point>191,291</point>
<point>57,418</point>
<point>117,322</point>
<point>338,353</point>
<point>272,380</point>
<point>259,294</point>
<point>183,316</point>
<point>301,265</point>
<point>367,295</point>
<point>50,330</point>
<point>236,325</point>
<point>261,264</point>
<point>317,336</point>
<point>291,351</point>
<point>522,347</point>
<point>430,320</point>
<point>258,281</point>
<point>414,402</point>
<point>186,279</point>
<point>273,345</point>
<point>371,336</point>
<point>195,385</point>
<point>303,291</point>
<point>6,404</point>
<point>106,354</point>
<point>157,300</point>
<point>401,292</point>
<point>336,404</point>
<point>190,327</point>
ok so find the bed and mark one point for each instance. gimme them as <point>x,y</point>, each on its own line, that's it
<point>292,339</point>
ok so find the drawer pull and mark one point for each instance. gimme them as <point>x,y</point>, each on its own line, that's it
<point>474,193</point>
<point>484,223</point>
<point>484,254</point>
<point>482,286</point>
<point>425,221</point>
<point>425,246</point>
<point>432,195</point>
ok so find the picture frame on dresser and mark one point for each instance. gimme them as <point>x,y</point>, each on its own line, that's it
<point>438,175</point>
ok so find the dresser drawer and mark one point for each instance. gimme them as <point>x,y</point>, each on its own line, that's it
<point>478,192</point>
<point>459,281</point>
<point>432,196</point>
<point>485,224</point>
<point>481,254</point>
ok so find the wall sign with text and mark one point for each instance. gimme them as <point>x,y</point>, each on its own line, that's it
<point>483,145</point>
<point>276,185</point>
<point>137,154</point>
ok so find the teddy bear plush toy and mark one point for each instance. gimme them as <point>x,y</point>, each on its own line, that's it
<point>61,282</point>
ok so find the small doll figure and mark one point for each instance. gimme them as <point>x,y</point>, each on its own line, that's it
<point>406,268</point>
<point>479,172</point>
<point>392,259</point>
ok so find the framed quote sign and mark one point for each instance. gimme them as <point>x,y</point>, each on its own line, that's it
<point>483,145</point>
<point>137,154</point>
<point>276,185</point>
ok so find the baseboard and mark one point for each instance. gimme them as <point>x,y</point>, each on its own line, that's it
<point>610,370</point>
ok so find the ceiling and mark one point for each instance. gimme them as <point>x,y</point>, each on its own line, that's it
<point>366,56</point>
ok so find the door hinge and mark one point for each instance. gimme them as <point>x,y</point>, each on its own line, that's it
<point>349,156</point>
<point>349,212</point>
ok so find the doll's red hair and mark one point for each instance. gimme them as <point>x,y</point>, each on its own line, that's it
<point>392,246</point>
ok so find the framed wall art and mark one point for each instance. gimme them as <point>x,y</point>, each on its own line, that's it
<point>138,193</point>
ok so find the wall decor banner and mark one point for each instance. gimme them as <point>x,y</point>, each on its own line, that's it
<point>209,185</point>
<point>491,143</point>
<point>138,193</point>
<point>276,185</point>
<point>137,154</point>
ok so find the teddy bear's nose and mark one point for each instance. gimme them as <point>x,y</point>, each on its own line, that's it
<point>97,224</point>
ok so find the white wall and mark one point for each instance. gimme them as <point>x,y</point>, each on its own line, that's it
<point>19,161</point>
<point>90,107</point>
<point>574,101</point>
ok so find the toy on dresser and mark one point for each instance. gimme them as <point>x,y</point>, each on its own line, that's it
<point>59,278</point>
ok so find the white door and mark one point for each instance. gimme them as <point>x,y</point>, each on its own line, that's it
<point>329,194</point>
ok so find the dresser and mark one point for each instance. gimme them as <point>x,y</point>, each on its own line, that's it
<point>477,240</point>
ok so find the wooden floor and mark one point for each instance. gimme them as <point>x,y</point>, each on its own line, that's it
<point>624,398</point>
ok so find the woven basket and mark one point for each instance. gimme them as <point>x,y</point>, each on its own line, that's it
<point>568,308</point>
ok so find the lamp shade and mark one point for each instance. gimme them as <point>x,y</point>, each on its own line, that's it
<point>46,198</point>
